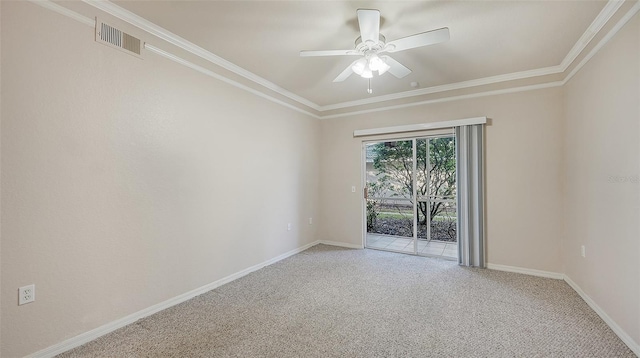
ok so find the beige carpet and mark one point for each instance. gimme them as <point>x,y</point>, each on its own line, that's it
<point>333,302</point>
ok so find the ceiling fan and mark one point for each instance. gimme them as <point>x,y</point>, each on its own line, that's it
<point>371,44</point>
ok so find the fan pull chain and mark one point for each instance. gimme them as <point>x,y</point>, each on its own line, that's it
<point>369,90</point>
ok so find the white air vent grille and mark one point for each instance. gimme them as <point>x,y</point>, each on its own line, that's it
<point>130,43</point>
<point>112,37</point>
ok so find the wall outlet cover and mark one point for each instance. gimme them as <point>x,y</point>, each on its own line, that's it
<point>26,294</point>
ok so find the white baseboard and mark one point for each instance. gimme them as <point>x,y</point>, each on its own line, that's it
<point>526,271</point>
<point>633,345</point>
<point>112,326</point>
<point>340,244</point>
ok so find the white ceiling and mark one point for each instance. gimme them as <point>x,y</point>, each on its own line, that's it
<point>488,38</point>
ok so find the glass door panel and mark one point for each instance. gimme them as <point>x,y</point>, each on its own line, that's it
<point>389,196</point>
<point>442,195</point>
<point>436,195</point>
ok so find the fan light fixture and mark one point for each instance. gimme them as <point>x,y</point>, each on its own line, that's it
<point>365,66</point>
<point>371,43</point>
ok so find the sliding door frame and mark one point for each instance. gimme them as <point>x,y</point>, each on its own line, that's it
<point>363,173</point>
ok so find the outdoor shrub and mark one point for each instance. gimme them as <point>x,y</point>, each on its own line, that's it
<point>372,214</point>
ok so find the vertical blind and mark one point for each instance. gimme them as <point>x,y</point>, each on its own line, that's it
<point>470,181</point>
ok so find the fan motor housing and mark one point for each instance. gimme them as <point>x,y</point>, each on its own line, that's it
<point>363,47</point>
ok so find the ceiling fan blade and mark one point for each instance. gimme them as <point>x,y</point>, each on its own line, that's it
<point>369,21</point>
<point>345,74</point>
<point>418,40</point>
<point>396,68</point>
<point>328,53</point>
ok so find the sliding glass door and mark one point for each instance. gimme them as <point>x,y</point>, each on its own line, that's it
<point>389,172</point>
<point>410,196</point>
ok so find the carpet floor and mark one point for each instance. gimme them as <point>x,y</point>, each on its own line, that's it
<point>335,302</point>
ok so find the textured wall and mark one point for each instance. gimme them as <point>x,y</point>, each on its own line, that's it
<point>602,156</point>
<point>523,172</point>
<point>127,182</point>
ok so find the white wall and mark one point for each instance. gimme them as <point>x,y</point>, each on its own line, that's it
<point>121,175</point>
<point>602,156</point>
<point>523,173</point>
<point>127,182</point>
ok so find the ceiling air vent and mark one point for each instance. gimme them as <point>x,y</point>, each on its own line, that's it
<point>112,37</point>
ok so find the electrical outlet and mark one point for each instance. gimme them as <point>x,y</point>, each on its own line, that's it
<point>26,294</point>
<point>289,227</point>
<point>310,221</point>
<point>583,251</point>
<point>353,189</point>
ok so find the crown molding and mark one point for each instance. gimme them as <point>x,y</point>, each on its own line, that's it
<point>224,79</point>
<point>603,17</point>
<point>594,28</point>
<point>619,25</point>
<point>91,22</point>
<point>47,4</point>
<point>614,30</point>
<point>448,99</point>
<point>448,87</point>
<point>170,37</point>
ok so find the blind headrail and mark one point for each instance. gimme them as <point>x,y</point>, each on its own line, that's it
<point>420,127</point>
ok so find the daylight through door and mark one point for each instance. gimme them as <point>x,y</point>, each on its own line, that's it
<point>410,196</point>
